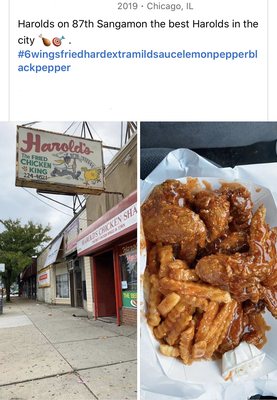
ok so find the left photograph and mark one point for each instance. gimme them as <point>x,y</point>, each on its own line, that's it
<point>68,260</point>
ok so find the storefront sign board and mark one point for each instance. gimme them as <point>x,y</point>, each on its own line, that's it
<point>129,299</point>
<point>109,230</point>
<point>44,278</point>
<point>58,163</point>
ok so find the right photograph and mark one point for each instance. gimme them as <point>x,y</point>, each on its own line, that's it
<point>208,260</point>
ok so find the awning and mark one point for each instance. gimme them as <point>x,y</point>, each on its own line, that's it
<point>118,221</point>
<point>29,270</point>
<point>53,252</point>
<point>70,237</point>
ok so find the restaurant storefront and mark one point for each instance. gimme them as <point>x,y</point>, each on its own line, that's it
<point>52,276</point>
<point>27,281</point>
<point>111,244</point>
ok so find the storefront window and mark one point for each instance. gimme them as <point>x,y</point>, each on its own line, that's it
<point>62,286</point>
<point>128,265</point>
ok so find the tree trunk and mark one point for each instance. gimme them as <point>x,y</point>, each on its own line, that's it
<point>8,285</point>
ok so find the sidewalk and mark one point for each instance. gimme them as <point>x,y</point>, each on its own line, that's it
<point>47,353</point>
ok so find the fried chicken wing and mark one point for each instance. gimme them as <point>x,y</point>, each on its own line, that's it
<point>242,273</point>
<point>270,299</point>
<point>233,243</point>
<point>165,221</point>
<point>247,325</point>
<point>214,210</point>
<point>255,326</point>
<point>240,205</point>
<point>262,241</point>
<point>172,224</point>
<point>229,273</point>
<point>235,331</point>
<point>230,243</point>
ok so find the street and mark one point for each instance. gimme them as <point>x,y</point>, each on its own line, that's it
<point>47,353</point>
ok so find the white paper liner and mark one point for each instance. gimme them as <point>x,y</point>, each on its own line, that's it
<point>167,378</point>
<point>241,361</point>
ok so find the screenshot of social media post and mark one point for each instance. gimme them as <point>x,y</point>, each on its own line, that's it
<point>138,225</point>
<point>160,61</point>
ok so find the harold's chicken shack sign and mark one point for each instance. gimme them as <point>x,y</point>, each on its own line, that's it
<point>58,163</point>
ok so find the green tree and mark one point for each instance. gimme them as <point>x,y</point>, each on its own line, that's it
<point>18,244</point>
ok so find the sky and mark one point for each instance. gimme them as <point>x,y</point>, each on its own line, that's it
<point>24,203</point>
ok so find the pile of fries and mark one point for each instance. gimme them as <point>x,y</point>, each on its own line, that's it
<point>189,318</point>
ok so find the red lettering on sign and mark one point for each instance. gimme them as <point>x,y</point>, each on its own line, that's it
<point>34,143</point>
<point>44,276</point>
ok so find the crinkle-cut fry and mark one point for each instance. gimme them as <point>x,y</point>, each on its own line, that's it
<point>146,284</point>
<point>168,303</point>
<point>206,321</point>
<point>185,344</point>
<point>165,256</point>
<point>199,349</point>
<point>196,302</point>
<point>223,323</point>
<point>178,264</point>
<point>196,289</point>
<point>154,279</point>
<point>165,326</point>
<point>155,297</point>
<point>218,322</point>
<point>183,275</point>
<point>169,351</point>
<point>164,292</point>
<point>179,326</point>
<point>152,260</point>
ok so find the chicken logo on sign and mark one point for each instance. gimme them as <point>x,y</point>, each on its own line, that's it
<point>92,175</point>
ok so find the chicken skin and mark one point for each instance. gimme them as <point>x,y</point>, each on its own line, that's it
<point>172,192</point>
<point>234,242</point>
<point>214,210</point>
<point>241,205</point>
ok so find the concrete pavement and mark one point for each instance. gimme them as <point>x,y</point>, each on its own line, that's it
<point>47,353</point>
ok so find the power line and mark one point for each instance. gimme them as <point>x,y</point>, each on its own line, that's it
<point>92,127</point>
<point>44,202</point>
<point>49,205</point>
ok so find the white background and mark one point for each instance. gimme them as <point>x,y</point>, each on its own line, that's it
<point>272,60</point>
<point>4,60</point>
<point>144,89</point>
